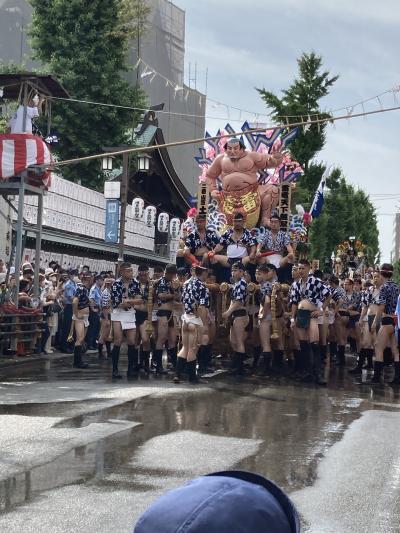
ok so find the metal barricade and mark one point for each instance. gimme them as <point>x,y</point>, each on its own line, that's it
<point>20,330</point>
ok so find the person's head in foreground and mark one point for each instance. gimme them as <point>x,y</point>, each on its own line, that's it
<point>234,501</point>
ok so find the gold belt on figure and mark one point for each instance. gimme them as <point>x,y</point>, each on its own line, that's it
<point>246,201</point>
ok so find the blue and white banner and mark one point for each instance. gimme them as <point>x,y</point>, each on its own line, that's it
<point>319,197</point>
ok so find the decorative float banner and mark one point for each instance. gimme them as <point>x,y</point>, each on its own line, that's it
<point>174,227</point>
<point>163,222</point>
<point>150,214</point>
<point>137,208</point>
<point>269,142</point>
<point>298,226</point>
<point>248,201</point>
<point>351,247</point>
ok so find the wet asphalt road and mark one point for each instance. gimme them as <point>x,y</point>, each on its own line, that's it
<point>80,453</point>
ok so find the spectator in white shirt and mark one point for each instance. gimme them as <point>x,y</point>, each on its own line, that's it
<point>16,123</point>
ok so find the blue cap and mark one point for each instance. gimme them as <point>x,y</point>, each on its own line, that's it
<point>234,501</point>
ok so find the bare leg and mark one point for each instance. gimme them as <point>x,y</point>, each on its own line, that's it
<point>265,335</point>
<point>80,332</point>
<point>192,342</point>
<point>162,332</point>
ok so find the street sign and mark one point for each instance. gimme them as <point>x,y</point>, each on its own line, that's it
<point>112,221</point>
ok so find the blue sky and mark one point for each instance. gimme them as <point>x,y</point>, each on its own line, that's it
<point>249,43</point>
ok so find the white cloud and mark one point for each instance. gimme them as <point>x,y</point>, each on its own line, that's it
<point>256,44</point>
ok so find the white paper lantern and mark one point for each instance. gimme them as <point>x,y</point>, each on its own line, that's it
<point>174,227</point>
<point>163,222</point>
<point>137,208</point>
<point>150,215</point>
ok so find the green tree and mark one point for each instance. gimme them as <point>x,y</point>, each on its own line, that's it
<point>85,46</point>
<point>346,211</point>
<point>302,99</point>
<point>396,275</point>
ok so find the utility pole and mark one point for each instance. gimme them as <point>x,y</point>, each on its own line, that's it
<point>124,201</point>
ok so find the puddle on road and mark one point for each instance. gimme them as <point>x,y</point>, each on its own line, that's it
<point>295,424</point>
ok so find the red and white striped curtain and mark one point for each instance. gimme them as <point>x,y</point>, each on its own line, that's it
<point>19,151</point>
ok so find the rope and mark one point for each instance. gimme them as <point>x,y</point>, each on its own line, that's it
<point>227,135</point>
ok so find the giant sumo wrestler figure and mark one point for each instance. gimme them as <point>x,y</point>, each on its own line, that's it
<point>237,168</point>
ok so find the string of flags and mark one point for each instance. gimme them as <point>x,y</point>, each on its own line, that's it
<point>151,73</point>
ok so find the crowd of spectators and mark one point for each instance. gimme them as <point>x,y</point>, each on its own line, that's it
<point>54,303</point>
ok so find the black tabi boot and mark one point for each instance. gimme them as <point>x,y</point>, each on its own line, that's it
<point>341,359</point>
<point>256,356</point>
<point>298,366</point>
<point>387,356</point>
<point>145,356</point>
<point>396,378</point>
<point>369,353</point>
<point>333,351</point>
<point>237,363</point>
<point>115,359</point>
<point>191,366</point>
<point>353,345</point>
<point>108,349</point>
<point>172,355</point>
<point>323,349</point>
<point>158,361</point>
<point>100,350</point>
<point>360,361</point>
<point>201,355</point>
<point>376,378</point>
<point>209,356</point>
<point>267,358</point>
<point>240,358</point>
<point>306,375</point>
<point>180,365</point>
<point>133,363</point>
<point>78,358</point>
<point>278,365</point>
<point>317,364</point>
<point>290,366</point>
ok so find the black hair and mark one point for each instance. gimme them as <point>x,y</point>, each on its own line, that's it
<point>199,270</point>
<point>181,271</point>
<point>235,141</point>
<point>386,270</point>
<point>318,273</point>
<point>333,279</point>
<point>158,269</point>
<point>125,264</point>
<point>270,266</point>
<point>143,268</point>
<point>275,216</point>
<point>170,269</point>
<point>23,285</point>
<point>238,266</point>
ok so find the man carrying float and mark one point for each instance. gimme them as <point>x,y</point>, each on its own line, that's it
<point>309,297</point>
<point>199,242</point>
<point>277,244</point>
<point>239,243</point>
